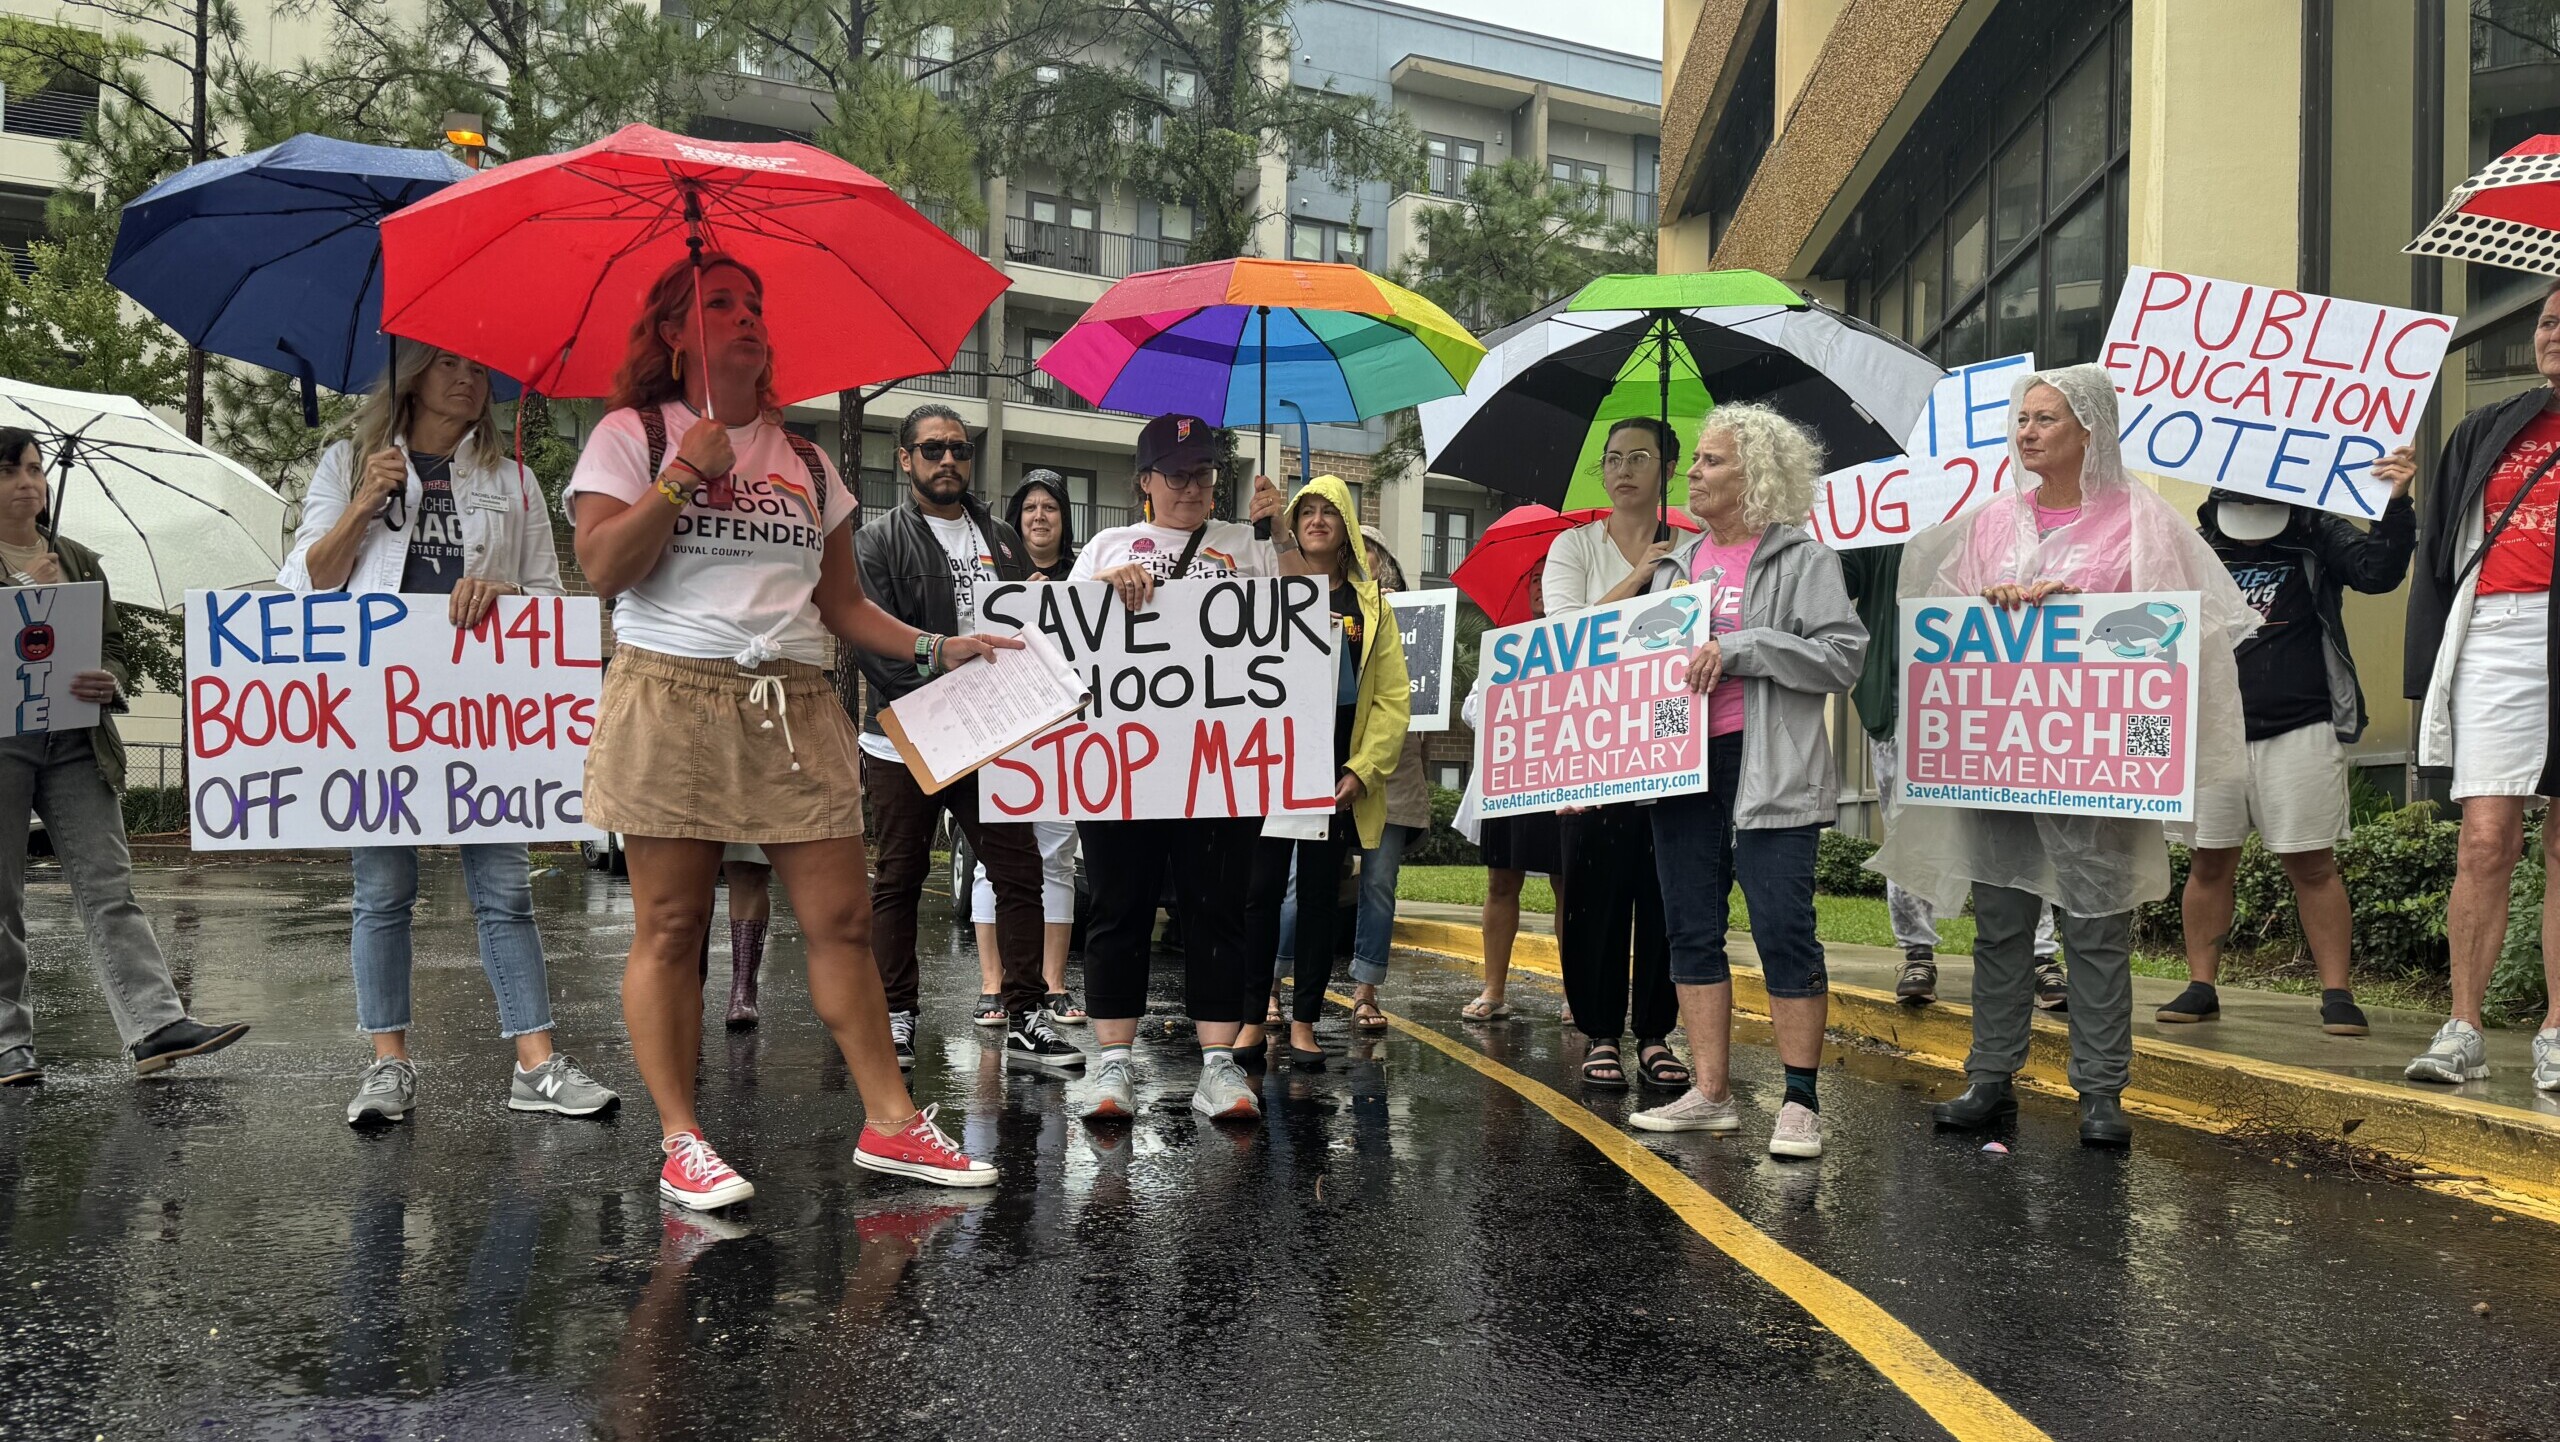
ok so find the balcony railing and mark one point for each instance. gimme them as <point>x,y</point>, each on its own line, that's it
<point>1087,252</point>
<point>1031,386</point>
<point>972,236</point>
<point>47,114</point>
<point>965,377</point>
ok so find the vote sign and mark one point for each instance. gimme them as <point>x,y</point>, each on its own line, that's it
<point>2084,705</point>
<point>56,632</point>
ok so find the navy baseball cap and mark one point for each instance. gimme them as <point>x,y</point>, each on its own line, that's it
<point>1176,443</point>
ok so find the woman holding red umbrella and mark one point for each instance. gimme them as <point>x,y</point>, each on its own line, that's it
<point>725,541</point>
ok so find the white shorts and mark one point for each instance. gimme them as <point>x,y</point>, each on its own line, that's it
<point>1057,878</point>
<point>2502,697</point>
<point>744,851</point>
<point>2295,798</point>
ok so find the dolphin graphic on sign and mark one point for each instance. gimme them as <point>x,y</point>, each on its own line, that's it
<point>2145,632</point>
<point>1668,624</point>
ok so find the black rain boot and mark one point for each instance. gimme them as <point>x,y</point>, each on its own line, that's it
<point>1979,1107</point>
<point>2103,1122</point>
<point>746,958</point>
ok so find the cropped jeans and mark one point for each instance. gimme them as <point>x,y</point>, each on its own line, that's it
<point>499,878</point>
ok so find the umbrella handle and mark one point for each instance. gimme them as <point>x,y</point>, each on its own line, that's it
<point>1262,418</point>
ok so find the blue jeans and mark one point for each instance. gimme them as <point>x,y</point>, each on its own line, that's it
<point>1699,856</point>
<point>499,879</point>
<point>1373,940</point>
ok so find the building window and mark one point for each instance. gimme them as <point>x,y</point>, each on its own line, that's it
<point>1451,161</point>
<point>1181,86</point>
<point>1576,172</point>
<point>1322,240</point>
<point>1449,775</point>
<point>21,226</point>
<point>1987,235</point>
<point>1174,221</point>
<point>1445,537</point>
<point>55,111</point>
<point>1059,233</point>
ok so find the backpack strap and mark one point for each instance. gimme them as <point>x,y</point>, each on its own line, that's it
<point>816,461</point>
<point>653,426</point>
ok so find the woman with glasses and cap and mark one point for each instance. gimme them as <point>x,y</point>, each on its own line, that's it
<point>1210,859</point>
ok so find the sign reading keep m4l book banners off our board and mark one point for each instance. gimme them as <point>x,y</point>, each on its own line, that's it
<point>2084,705</point>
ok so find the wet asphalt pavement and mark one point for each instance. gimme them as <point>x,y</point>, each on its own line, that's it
<point>1408,1250</point>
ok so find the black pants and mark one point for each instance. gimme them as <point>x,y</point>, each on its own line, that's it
<point>1211,864</point>
<point>1610,886</point>
<point>1319,865</point>
<point>901,839</point>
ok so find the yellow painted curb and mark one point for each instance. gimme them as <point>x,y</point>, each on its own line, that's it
<point>2515,1154</point>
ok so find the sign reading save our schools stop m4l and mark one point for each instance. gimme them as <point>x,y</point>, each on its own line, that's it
<point>2084,705</point>
<point>333,720</point>
<point>1591,708</point>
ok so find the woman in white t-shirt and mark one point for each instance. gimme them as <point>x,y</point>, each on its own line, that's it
<point>725,542</point>
<point>1210,858</point>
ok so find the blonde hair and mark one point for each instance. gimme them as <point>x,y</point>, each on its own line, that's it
<point>1780,462</point>
<point>384,416</point>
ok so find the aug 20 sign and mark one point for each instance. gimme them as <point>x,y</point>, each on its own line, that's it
<point>1216,700</point>
<point>2085,704</point>
<point>1591,708</point>
<point>55,634</point>
<point>2268,392</point>
<point>1428,622</point>
<point>333,720</point>
<point>1956,458</point>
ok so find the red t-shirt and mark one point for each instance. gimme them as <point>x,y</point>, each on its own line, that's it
<point>2519,561</point>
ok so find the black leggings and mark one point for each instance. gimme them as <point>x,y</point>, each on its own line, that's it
<point>1610,886</point>
<point>1211,864</point>
<point>1319,866</point>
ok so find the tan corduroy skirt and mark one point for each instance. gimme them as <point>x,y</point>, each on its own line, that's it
<point>704,751</point>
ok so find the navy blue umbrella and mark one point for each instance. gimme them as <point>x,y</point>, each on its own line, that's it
<point>275,258</point>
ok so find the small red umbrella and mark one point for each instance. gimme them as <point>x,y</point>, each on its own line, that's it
<point>1496,574</point>
<point>2508,214</point>
<point>538,268</point>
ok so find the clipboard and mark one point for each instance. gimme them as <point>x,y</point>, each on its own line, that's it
<point>980,710</point>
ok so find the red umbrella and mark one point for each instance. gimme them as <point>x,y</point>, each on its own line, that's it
<point>2508,214</point>
<point>1496,574</point>
<point>538,267</point>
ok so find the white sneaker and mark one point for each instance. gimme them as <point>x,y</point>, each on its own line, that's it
<point>1225,1093</point>
<point>1690,1112</point>
<point>2457,1055</point>
<point>2546,1059</point>
<point>1112,1094</point>
<point>1798,1133</point>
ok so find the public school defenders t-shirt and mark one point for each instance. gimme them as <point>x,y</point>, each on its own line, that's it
<point>435,531</point>
<point>971,567</point>
<point>735,570</point>
<point>1716,573</point>
<point>2519,560</point>
<point>2284,668</point>
<point>1227,548</point>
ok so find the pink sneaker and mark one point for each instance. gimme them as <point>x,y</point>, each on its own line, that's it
<point>921,1151</point>
<point>695,1177</point>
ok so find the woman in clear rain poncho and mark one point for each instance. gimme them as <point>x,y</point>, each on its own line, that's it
<point>2084,525</point>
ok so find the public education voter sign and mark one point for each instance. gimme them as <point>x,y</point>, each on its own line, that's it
<point>333,720</point>
<point>1956,457</point>
<point>2268,392</point>
<point>1592,708</point>
<point>1216,700</point>
<point>2084,705</point>
<point>55,633</point>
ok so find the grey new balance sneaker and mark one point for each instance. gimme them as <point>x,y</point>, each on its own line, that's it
<point>1112,1096</point>
<point>558,1086</point>
<point>2546,1060</point>
<point>2457,1055</point>
<point>388,1091</point>
<point>1225,1092</point>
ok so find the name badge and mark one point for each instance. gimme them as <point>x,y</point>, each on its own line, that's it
<point>486,502</point>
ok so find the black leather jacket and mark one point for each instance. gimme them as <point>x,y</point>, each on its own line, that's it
<point>906,574</point>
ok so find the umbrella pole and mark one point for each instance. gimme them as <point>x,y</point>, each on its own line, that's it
<point>1662,370</point>
<point>1262,413</point>
<point>62,489</point>
<point>701,330</point>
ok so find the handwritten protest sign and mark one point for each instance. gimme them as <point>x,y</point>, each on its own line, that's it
<point>1591,708</point>
<point>55,635</point>
<point>1216,700</point>
<point>1956,458</point>
<point>2084,705</point>
<point>1428,622</point>
<point>2269,392</point>
<point>340,721</point>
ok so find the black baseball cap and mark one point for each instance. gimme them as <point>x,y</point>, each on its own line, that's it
<point>1176,443</point>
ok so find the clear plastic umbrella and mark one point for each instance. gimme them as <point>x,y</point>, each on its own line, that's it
<point>165,515</point>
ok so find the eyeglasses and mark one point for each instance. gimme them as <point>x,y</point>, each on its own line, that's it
<point>1624,460</point>
<point>1198,480</point>
<point>934,451</point>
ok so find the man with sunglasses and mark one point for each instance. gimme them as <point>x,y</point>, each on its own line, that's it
<point>923,563</point>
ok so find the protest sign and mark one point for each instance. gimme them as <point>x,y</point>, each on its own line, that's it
<point>1956,458</point>
<point>1428,621</point>
<point>339,721</point>
<point>56,633</point>
<point>1591,708</point>
<point>2267,392</point>
<point>1215,700</point>
<point>2085,704</point>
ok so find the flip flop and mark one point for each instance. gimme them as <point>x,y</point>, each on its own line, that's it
<point>1486,1009</point>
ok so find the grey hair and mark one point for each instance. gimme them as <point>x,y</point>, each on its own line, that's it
<point>1780,462</point>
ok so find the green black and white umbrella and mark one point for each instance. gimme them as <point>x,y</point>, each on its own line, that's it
<point>1537,412</point>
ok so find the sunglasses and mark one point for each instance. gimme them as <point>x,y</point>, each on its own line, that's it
<point>934,451</point>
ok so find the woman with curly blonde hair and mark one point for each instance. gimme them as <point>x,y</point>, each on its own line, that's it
<point>1781,640</point>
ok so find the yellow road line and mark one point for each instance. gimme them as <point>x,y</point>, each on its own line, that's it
<point>1967,1409</point>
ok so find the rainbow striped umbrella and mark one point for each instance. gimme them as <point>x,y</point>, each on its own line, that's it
<point>1232,341</point>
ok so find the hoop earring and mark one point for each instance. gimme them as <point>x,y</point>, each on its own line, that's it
<point>1147,509</point>
<point>675,364</point>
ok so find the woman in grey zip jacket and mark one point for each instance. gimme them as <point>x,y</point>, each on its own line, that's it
<point>1776,637</point>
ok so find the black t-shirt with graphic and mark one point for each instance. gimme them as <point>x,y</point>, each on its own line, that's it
<point>2284,669</point>
<point>435,530</point>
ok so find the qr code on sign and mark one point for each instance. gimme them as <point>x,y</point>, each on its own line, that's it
<point>2147,736</point>
<point>1670,717</point>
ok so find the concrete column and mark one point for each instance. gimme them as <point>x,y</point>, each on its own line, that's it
<point>1400,517</point>
<point>1535,143</point>
<point>992,479</point>
<point>2217,137</point>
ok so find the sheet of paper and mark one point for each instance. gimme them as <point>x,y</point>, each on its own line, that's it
<point>1297,826</point>
<point>975,713</point>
